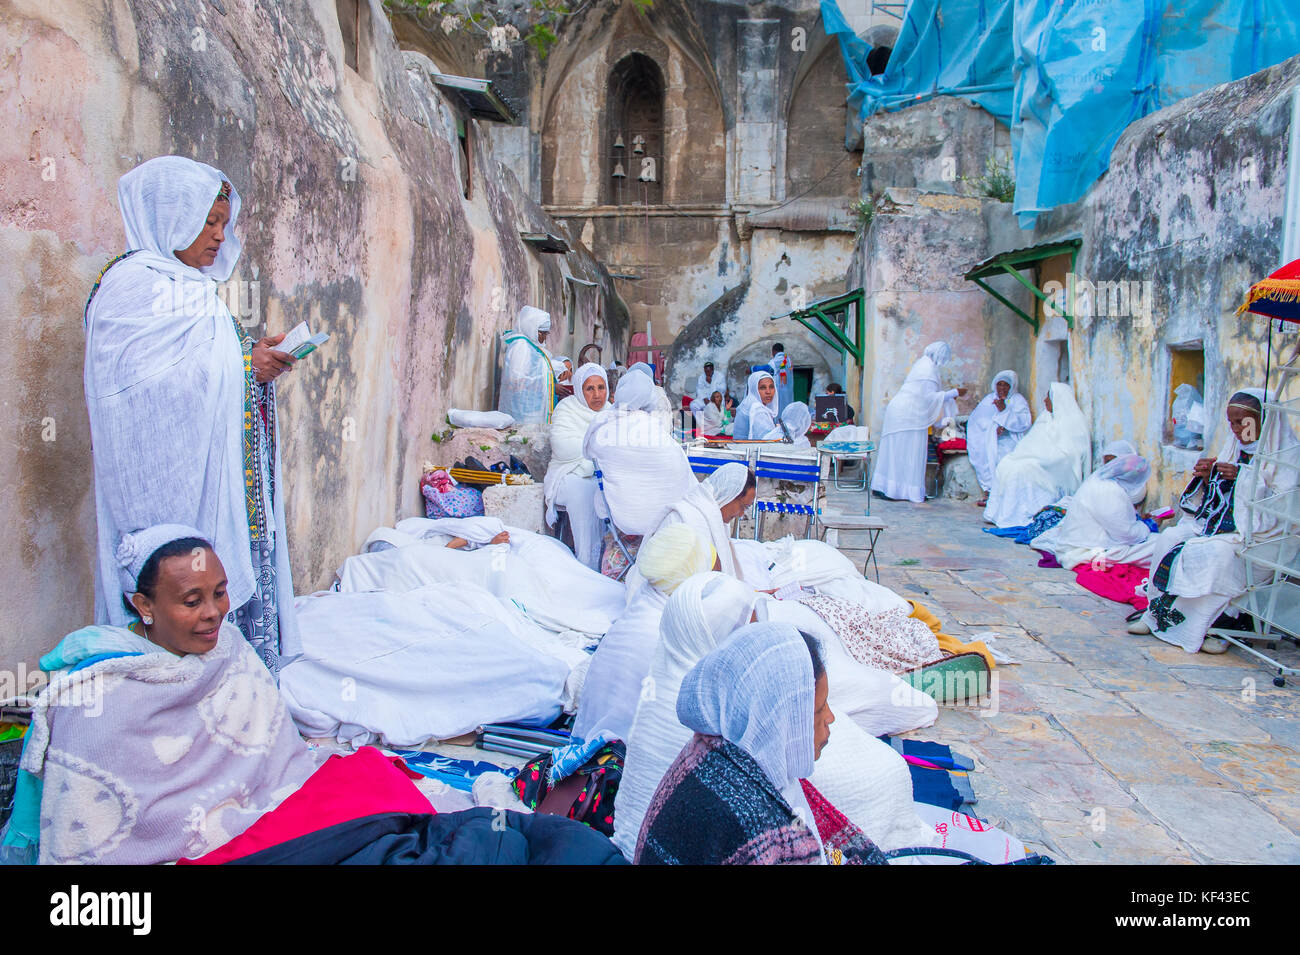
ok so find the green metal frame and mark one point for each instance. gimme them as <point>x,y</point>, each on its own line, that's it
<point>1011,263</point>
<point>817,318</point>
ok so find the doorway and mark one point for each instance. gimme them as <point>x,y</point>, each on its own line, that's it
<point>803,380</point>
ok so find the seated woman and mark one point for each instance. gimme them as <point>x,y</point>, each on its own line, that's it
<point>757,414</point>
<point>709,507</point>
<point>1101,526</point>
<point>528,376</point>
<point>793,425</point>
<point>1195,568</point>
<point>570,481</point>
<point>708,413</point>
<point>919,404</point>
<point>616,677</point>
<point>1049,463</point>
<point>735,795</point>
<point>995,428</point>
<point>865,778</point>
<point>159,740</point>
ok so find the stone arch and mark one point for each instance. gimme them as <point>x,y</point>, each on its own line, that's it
<point>635,165</point>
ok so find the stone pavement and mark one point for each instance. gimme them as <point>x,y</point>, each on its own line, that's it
<point>1099,746</point>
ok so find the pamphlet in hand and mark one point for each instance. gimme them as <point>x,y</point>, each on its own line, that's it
<point>301,342</point>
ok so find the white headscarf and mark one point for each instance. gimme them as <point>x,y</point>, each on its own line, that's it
<point>1129,471</point>
<point>635,392</point>
<point>582,376</point>
<point>530,321</point>
<point>701,613</point>
<point>939,353</point>
<point>1262,477</point>
<point>727,483</point>
<point>644,369</point>
<point>757,691</point>
<point>165,203</point>
<point>983,444</point>
<point>135,550</point>
<point>671,555</point>
<point>797,420</point>
<point>754,418</point>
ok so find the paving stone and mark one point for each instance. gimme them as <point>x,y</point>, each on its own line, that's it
<point>1256,768</point>
<point>1020,647</point>
<point>1178,657</point>
<point>1224,826</point>
<point>1059,673</point>
<point>1134,749</point>
<point>1129,678</point>
<point>1083,700</point>
<point>1234,678</point>
<point>1284,807</point>
<point>1096,650</point>
<point>1116,837</point>
<point>1019,737</point>
<point>1196,716</point>
<point>1061,790</point>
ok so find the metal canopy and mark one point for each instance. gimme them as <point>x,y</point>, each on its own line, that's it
<point>545,241</point>
<point>477,96</point>
<point>830,320</point>
<point>1011,263</point>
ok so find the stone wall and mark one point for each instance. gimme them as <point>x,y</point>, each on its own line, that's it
<point>353,219</point>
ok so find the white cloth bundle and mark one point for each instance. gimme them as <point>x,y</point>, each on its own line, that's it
<point>459,418</point>
<point>644,470</point>
<point>984,445</point>
<point>477,531</point>
<point>1049,463</point>
<point>433,663</point>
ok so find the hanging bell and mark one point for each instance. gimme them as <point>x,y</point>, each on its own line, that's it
<point>618,143</point>
<point>638,145</point>
<point>618,171</point>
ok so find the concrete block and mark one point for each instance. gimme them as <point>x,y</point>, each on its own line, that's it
<point>517,505</point>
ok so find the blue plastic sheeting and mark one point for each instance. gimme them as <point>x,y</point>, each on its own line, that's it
<point>965,52</point>
<point>1083,70</point>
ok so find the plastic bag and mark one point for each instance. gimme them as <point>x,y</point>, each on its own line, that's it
<point>1189,422</point>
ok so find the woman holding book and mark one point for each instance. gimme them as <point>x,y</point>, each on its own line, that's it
<point>182,400</point>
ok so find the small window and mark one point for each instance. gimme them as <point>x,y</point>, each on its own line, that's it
<point>1186,367</point>
<point>462,135</point>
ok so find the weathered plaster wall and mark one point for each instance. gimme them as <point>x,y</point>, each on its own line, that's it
<point>1194,204</point>
<point>353,219</point>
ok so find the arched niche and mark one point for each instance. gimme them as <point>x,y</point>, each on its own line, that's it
<point>635,157</point>
<point>816,161</point>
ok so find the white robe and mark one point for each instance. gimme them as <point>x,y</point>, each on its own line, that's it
<point>1100,525</point>
<point>703,388</point>
<point>984,446</point>
<point>619,667</point>
<point>1048,464</point>
<point>919,404</point>
<point>570,480</point>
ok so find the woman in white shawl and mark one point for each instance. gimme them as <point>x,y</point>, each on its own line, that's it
<point>1049,463</point>
<point>708,413</point>
<point>1195,568</point>
<point>995,428</point>
<point>615,679</point>
<point>182,401</point>
<point>528,373</point>
<point>919,404</point>
<point>1100,524</point>
<point>757,414</point>
<point>709,507</point>
<point>570,481</point>
<point>793,425</point>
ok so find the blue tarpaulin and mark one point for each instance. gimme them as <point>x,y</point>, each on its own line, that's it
<point>1068,76</point>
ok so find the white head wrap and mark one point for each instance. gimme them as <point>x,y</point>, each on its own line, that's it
<point>1129,471</point>
<point>727,483</point>
<point>797,420</point>
<point>939,353</point>
<point>165,203</point>
<point>671,555</point>
<point>136,548</point>
<point>580,378</point>
<point>636,392</point>
<point>645,369</point>
<point>1010,377</point>
<point>1118,448</point>
<point>757,691</point>
<point>530,321</point>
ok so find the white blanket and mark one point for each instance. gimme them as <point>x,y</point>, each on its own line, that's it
<point>1049,463</point>
<point>615,679</point>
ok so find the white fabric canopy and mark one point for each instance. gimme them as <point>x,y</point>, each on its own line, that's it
<point>919,404</point>
<point>754,418</point>
<point>1049,463</point>
<point>984,446</point>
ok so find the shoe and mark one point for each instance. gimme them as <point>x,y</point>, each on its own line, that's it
<point>1135,615</point>
<point>983,503</point>
<point>1214,645</point>
<point>475,464</point>
<point>1139,628</point>
<point>518,467</point>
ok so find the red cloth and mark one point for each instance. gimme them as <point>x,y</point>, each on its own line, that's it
<point>956,444</point>
<point>1116,582</point>
<point>364,783</point>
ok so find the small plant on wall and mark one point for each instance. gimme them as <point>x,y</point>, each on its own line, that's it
<point>864,211</point>
<point>998,181</point>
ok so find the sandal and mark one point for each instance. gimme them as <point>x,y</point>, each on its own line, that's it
<point>982,502</point>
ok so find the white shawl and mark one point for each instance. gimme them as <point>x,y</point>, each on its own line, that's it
<point>754,418</point>
<point>165,387</point>
<point>569,426</point>
<point>984,445</point>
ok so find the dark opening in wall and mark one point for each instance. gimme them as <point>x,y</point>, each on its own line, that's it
<point>634,112</point>
<point>466,154</point>
<point>878,59</point>
<point>1186,367</point>
<point>349,13</point>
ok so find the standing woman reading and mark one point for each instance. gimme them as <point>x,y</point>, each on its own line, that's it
<point>182,401</point>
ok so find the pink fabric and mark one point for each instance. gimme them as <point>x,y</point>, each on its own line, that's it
<point>1116,582</point>
<point>364,783</point>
